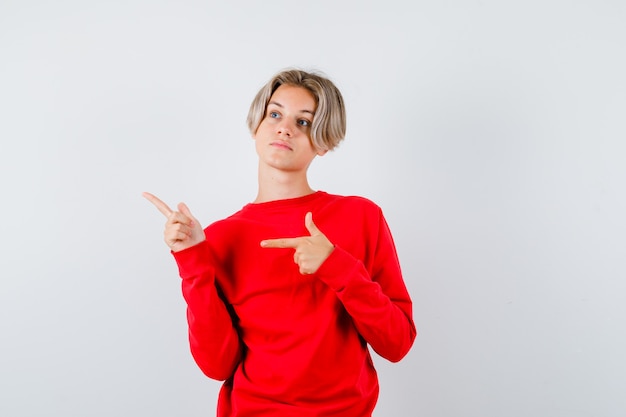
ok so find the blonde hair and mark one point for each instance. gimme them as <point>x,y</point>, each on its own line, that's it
<point>329,122</point>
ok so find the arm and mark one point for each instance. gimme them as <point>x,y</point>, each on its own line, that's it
<point>374,295</point>
<point>213,338</point>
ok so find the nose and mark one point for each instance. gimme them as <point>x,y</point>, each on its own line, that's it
<point>284,128</point>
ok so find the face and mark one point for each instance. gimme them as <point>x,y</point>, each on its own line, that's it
<point>283,139</point>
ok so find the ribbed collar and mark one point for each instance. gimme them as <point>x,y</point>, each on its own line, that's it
<point>285,203</point>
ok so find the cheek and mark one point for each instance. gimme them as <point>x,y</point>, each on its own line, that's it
<point>263,127</point>
<point>258,133</point>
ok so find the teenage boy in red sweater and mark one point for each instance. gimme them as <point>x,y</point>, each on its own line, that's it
<point>285,295</point>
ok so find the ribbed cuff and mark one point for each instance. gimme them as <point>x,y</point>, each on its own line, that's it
<point>193,261</point>
<point>337,269</point>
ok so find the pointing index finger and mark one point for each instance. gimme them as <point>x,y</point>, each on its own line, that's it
<point>163,208</point>
<point>281,243</point>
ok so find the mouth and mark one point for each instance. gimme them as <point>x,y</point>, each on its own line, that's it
<point>281,145</point>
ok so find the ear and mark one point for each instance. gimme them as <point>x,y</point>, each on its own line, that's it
<point>322,152</point>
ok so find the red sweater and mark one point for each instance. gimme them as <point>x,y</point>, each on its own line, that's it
<point>288,344</point>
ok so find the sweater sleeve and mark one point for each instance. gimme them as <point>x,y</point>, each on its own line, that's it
<point>213,339</point>
<point>375,296</point>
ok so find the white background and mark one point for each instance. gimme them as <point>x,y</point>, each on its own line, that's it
<point>492,134</point>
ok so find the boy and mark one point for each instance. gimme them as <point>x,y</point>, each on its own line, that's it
<point>285,295</point>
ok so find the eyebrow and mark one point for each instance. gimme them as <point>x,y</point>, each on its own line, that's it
<point>312,113</point>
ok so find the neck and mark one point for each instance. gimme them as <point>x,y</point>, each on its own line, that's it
<point>275,184</point>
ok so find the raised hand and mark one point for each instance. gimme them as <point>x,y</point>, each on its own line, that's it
<point>182,230</point>
<point>311,251</point>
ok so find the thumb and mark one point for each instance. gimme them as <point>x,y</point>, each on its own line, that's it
<point>310,226</point>
<point>182,207</point>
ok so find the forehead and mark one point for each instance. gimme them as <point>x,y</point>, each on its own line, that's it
<point>293,95</point>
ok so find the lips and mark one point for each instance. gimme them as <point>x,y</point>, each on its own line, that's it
<point>281,145</point>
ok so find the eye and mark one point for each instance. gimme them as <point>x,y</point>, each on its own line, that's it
<point>273,115</point>
<point>304,123</point>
